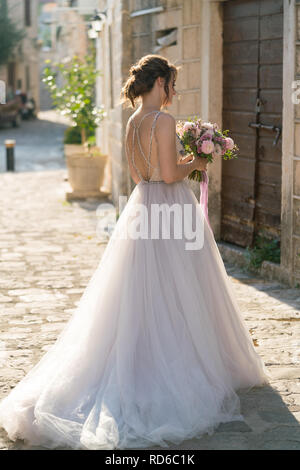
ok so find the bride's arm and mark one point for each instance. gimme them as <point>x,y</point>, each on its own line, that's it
<point>170,169</point>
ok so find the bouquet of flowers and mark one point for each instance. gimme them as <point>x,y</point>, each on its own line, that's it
<point>204,139</point>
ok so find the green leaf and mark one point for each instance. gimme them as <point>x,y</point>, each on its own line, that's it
<point>76,95</point>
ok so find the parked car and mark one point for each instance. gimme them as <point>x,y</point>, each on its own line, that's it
<point>10,112</point>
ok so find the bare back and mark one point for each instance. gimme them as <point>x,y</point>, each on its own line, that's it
<point>142,147</point>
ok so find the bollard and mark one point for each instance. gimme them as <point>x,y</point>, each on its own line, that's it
<point>10,157</point>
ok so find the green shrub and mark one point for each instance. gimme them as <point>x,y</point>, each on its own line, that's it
<point>75,97</point>
<point>264,249</point>
<point>72,135</point>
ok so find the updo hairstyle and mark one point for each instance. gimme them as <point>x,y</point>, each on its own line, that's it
<point>143,74</point>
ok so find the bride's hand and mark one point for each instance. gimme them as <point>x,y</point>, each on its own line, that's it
<point>201,163</point>
<point>187,158</point>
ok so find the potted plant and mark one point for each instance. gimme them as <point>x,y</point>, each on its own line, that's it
<point>74,97</point>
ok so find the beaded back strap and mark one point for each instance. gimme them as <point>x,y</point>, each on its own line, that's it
<point>150,146</point>
<point>136,129</point>
<point>132,157</point>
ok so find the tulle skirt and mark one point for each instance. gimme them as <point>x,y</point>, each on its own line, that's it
<point>156,348</point>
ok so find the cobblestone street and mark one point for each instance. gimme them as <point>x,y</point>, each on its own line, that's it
<point>39,142</point>
<point>49,250</point>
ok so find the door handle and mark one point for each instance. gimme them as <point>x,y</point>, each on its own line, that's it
<point>258,125</point>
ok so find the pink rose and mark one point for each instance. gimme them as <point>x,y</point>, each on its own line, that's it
<point>187,126</point>
<point>207,146</point>
<point>229,143</point>
<point>208,125</point>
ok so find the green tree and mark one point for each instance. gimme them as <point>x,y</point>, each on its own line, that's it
<point>10,35</point>
<point>75,96</point>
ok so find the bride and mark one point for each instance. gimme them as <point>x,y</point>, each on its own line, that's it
<point>157,347</point>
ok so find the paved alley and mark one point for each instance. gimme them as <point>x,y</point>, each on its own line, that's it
<point>39,142</point>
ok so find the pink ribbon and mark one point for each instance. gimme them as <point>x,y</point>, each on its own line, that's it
<point>204,195</point>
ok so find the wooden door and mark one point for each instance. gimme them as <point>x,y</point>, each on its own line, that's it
<point>252,111</point>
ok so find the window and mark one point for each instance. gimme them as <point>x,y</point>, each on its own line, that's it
<point>165,38</point>
<point>27,78</point>
<point>11,74</point>
<point>27,13</point>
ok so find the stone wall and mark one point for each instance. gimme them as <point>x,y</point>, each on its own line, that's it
<point>296,156</point>
<point>114,60</point>
<point>73,38</point>
<point>290,208</point>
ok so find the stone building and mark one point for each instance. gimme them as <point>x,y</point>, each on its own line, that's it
<point>63,30</point>
<point>22,70</point>
<point>240,65</point>
<point>70,30</point>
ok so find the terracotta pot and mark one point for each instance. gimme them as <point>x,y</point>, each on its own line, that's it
<point>85,168</point>
<point>74,149</point>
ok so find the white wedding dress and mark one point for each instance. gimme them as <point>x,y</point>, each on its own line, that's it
<point>156,348</point>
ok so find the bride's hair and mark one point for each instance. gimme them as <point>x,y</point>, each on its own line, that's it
<point>143,74</point>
